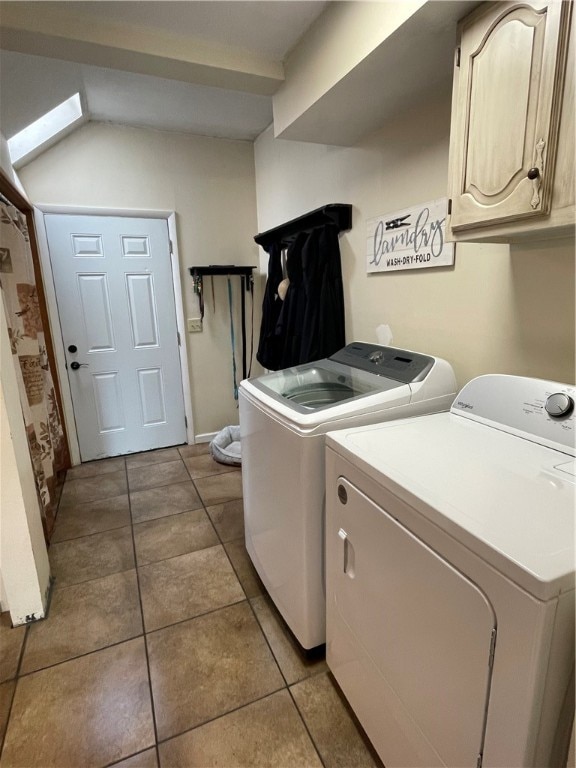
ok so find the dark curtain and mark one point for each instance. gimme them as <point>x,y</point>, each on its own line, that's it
<point>309,324</point>
<point>269,350</point>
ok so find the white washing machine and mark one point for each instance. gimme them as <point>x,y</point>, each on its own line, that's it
<point>283,419</point>
<point>450,577</point>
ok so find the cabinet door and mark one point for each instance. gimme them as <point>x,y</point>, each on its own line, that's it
<point>506,110</point>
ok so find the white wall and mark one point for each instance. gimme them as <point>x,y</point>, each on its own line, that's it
<point>6,165</point>
<point>345,35</point>
<point>210,184</point>
<point>499,309</point>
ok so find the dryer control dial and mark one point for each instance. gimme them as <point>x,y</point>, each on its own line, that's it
<point>559,404</point>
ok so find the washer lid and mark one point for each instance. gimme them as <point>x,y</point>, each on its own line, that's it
<point>502,496</point>
<point>357,370</point>
<point>320,385</point>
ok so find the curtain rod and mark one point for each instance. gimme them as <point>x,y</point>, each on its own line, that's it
<point>339,214</point>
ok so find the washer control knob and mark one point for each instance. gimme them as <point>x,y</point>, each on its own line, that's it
<point>376,356</point>
<point>559,404</point>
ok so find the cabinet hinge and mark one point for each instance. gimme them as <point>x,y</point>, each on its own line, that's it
<point>479,761</point>
<point>179,340</point>
<point>458,51</point>
<point>449,206</point>
<point>492,649</point>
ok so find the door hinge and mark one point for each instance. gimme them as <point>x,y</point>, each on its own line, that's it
<point>171,247</point>
<point>479,761</point>
<point>492,649</point>
<point>449,206</point>
<point>458,52</point>
<point>186,421</point>
<point>179,340</point>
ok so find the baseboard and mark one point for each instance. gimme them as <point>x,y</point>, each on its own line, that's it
<point>207,437</point>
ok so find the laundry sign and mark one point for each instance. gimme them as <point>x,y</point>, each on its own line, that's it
<point>413,238</point>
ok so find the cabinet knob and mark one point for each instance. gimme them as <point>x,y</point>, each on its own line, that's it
<point>533,173</point>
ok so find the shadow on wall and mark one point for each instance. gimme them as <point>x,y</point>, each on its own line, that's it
<point>543,294</point>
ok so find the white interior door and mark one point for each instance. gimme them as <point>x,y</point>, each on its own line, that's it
<point>115,295</point>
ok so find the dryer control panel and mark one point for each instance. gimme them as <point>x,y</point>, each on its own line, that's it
<point>535,409</point>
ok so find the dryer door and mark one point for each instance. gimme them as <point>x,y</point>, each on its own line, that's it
<point>410,638</point>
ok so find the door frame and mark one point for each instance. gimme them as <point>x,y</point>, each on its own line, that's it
<point>40,210</point>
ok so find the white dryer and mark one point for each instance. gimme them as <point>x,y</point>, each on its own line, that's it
<point>450,577</point>
<point>283,419</point>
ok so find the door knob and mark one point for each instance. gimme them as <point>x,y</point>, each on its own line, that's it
<point>76,365</point>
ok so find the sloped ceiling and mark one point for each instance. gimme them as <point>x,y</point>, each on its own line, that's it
<point>327,72</point>
<point>208,68</point>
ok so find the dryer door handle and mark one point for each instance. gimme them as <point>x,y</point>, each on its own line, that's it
<point>348,555</point>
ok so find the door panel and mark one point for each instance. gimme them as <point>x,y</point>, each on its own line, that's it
<point>505,112</point>
<point>142,303</point>
<point>507,107</point>
<point>108,399</point>
<point>152,396</point>
<point>113,281</point>
<point>95,312</point>
<point>418,633</point>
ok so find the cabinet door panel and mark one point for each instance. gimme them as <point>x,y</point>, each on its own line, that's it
<point>499,107</point>
<point>506,113</point>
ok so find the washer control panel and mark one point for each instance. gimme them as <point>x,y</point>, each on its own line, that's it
<point>398,364</point>
<point>539,410</point>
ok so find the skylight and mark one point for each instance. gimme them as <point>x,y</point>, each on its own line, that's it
<point>46,130</point>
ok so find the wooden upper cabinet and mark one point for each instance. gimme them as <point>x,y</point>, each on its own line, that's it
<point>506,111</point>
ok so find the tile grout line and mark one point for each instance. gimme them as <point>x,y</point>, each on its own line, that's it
<point>305,724</point>
<point>96,578</point>
<point>137,567</point>
<point>18,675</point>
<point>197,616</point>
<point>154,724</point>
<point>85,535</point>
<point>286,686</point>
<point>129,757</point>
<point>80,655</point>
<point>218,717</point>
<point>145,632</point>
<point>16,678</point>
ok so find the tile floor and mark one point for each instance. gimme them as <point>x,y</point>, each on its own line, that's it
<point>161,647</point>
